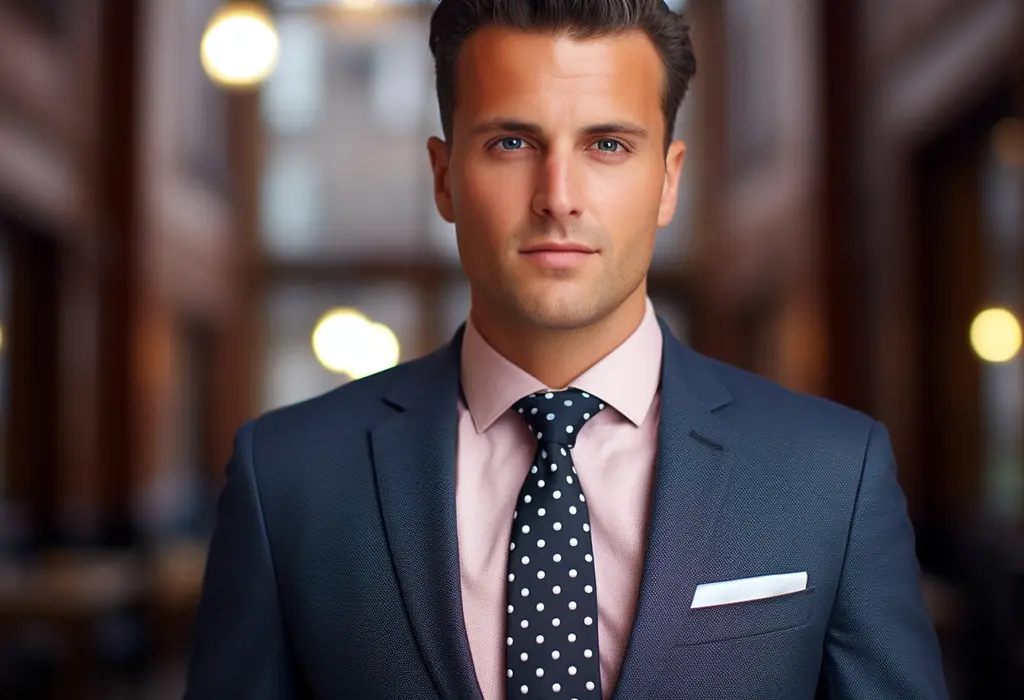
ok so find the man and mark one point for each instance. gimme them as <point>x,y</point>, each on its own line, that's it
<point>436,531</point>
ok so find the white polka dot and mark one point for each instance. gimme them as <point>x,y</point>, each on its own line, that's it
<point>572,637</point>
<point>520,410</point>
<point>540,639</point>
<point>586,527</point>
<point>526,529</point>
<point>541,543</point>
<point>540,483</point>
<point>572,604</point>
<point>588,588</point>
<point>511,577</point>
<point>508,641</point>
<point>556,688</point>
<point>557,494</point>
<point>511,546</point>
<point>589,558</point>
<point>524,656</point>
<point>572,542</point>
<point>557,527</point>
<point>525,560</point>
<point>572,573</point>
<point>540,574</point>
<point>572,670</point>
<point>572,509</point>
<point>543,511</point>
<point>551,416</point>
<point>511,609</point>
<point>527,498</point>
<point>586,395</point>
<point>524,624</point>
<point>554,467</point>
<point>588,621</point>
<point>533,411</point>
<point>555,654</point>
<point>526,592</point>
<point>556,590</point>
<point>567,402</point>
<point>540,607</point>
<point>556,622</point>
<point>533,469</point>
<point>601,406</point>
<point>540,435</point>
<point>590,685</point>
<point>557,558</point>
<point>544,454</point>
<point>586,416</point>
<point>583,498</point>
<point>563,453</point>
<point>549,395</point>
<point>568,479</point>
<point>540,673</point>
<point>508,673</point>
<point>568,428</point>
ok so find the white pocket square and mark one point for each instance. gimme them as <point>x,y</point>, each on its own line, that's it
<point>744,589</point>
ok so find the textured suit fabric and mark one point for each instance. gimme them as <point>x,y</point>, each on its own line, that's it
<point>333,570</point>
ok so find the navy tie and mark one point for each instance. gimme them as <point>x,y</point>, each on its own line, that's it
<point>551,641</point>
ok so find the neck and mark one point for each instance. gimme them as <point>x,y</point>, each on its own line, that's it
<point>558,356</point>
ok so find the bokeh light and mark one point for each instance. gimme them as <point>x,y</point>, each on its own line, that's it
<point>996,335</point>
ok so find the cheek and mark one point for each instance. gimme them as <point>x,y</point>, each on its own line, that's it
<point>630,208</point>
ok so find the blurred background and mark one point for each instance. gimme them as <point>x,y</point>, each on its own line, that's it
<point>209,209</point>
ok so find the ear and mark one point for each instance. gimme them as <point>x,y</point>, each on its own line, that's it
<point>670,188</point>
<point>439,157</point>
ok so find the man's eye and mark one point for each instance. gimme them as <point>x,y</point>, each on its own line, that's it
<point>510,143</point>
<point>609,145</point>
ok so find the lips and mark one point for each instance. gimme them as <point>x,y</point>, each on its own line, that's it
<point>558,256</point>
<point>558,248</point>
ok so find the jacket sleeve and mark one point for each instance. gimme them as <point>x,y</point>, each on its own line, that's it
<point>880,642</point>
<point>239,646</point>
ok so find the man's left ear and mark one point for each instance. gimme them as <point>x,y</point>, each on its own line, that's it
<point>670,188</point>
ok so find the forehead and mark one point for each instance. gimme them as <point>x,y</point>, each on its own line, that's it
<point>512,73</point>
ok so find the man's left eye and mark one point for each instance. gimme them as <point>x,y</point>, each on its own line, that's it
<point>608,145</point>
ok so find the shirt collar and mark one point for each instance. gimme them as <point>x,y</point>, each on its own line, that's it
<point>626,379</point>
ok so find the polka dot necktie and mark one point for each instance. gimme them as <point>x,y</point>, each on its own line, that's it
<point>551,642</point>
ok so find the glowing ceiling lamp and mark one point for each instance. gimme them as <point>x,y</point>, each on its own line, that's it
<point>240,46</point>
<point>346,342</point>
<point>996,335</point>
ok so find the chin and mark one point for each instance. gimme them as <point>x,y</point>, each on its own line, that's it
<point>562,312</point>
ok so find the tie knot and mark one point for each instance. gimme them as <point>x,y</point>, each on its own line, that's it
<point>558,416</point>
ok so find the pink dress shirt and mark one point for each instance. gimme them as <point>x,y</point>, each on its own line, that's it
<point>615,460</point>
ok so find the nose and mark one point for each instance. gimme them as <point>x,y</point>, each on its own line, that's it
<point>559,193</point>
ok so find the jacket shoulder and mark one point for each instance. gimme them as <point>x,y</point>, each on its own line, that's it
<point>348,409</point>
<point>767,406</point>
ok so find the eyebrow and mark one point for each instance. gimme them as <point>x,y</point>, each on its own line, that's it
<point>513,125</point>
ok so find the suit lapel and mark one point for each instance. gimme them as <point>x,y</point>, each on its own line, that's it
<point>691,477</point>
<point>414,458</point>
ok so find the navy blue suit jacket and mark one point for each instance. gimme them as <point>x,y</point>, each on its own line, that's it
<point>334,573</point>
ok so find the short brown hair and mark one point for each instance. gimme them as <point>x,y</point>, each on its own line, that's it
<point>454,21</point>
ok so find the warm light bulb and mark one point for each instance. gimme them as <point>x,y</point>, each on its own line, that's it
<point>240,46</point>
<point>346,342</point>
<point>996,335</point>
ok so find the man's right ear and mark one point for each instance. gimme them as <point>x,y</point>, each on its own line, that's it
<point>438,151</point>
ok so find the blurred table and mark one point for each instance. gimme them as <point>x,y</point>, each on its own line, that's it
<point>68,592</point>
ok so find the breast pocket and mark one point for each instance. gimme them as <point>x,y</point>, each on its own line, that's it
<point>748,618</point>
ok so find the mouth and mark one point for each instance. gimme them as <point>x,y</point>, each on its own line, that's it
<point>558,256</point>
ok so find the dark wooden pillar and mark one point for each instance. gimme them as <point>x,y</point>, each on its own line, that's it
<point>118,222</point>
<point>844,268</point>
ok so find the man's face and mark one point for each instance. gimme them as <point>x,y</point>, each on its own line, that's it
<point>556,177</point>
